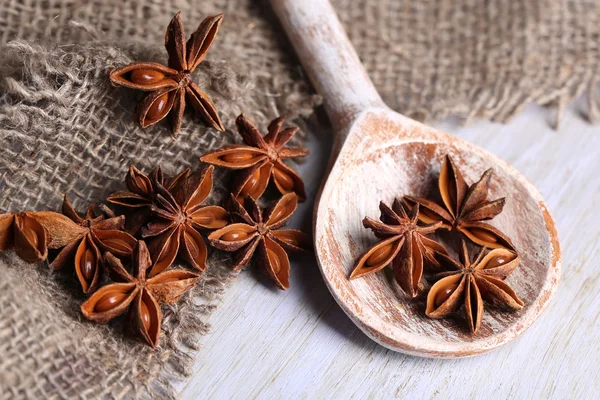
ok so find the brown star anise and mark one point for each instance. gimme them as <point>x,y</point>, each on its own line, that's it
<point>171,86</point>
<point>82,239</point>
<point>468,283</point>
<point>177,216</point>
<point>465,207</point>
<point>141,295</point>
<point>261,160</point>
<point>140,197</point>
<point>24,234</point>
<point>404,246</point>
<point>262,231</point>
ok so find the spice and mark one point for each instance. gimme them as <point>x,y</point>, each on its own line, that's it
<point>82,239</point>
<point>469,283</point>
<point>261,160</point>
<point>464,207</point>
<point>24,234</point>
<point>140,197</point>
<point>176,218</point>
<point>403,245</point>
<point>143,296</point>
<point>171,87</point>
<point>259,233</point>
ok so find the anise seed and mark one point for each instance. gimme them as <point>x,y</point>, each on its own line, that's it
<point>146,76</point>
<point>285,181</point>
<point>87,267</point>
<point>157,107</point>
<point>444,294</point>
<point>145,314</point>
<point>496,262</point>
<point>251,183</point>
<point>237,157</point>
<point>32,237</point>
<point>233,235</point>
<point>379,255</point>
<point>109,301</point>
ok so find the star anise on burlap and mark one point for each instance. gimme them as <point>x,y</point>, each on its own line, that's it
<point>261,160</point>
<point>469,283</point>
<point>171,87</point>
<point>82,239</point>
<point>176,218</point>
<point>142,296</point>
<point>138,200</point>
<point>259,235</point>
<point>404,245</point>
<point>464,207</point>
<point>24,234</point>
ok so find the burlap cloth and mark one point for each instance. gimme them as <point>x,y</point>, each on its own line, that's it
<point>64,129</point>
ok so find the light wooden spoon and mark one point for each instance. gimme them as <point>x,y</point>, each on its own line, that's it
<point>379,155</point>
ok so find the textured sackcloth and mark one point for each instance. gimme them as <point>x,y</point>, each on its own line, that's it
<point>64,129</point>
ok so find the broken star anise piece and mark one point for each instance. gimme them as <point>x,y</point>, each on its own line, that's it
<point>171,87</point>
<point>261,160</point>
<point>404,246</point>
<point>138,200</point>
<point>24,234</point>
<point>469,283</point>
<point>176,219</point>
<point>82,240</point>
<point>464,207</point>
<point>259,233</point>
<point>142,296</point>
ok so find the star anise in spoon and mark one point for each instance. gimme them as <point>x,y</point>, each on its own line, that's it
<point>24,234</point>
<point>261,160</point>
<point>259,235</point>
<point>142,296</point>
<point>82,239</point>
<point>176,219</point>
<point>404,245</point>
<point>464,207</point>
<point>171,87</point>
<point>138,200</point>
<point>469,283</point>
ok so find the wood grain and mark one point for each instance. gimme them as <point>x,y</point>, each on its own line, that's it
<point>299,344</point>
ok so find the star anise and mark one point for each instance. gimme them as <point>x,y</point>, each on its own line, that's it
<point>140,197</point>
<point>82,239</point>
<point>261,160</point>
<point>262,231</point>
<point>464,207</point>
<point>469,283</point>
<point>404,246</point>
<point>24,234</point>
<point>142,296</point>
<point>177,216</point>
<point>172,86</point>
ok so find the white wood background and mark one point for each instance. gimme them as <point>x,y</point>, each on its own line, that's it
<point>270,344</point>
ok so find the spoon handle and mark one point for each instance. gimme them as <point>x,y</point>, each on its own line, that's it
<point>328,58</point>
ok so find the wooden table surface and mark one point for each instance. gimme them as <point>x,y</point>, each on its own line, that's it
<point>270,344</point>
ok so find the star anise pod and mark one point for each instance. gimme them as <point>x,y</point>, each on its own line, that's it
<point>81,240</point>
<point>261,160</point>
<point>177,216</point>
<point>404,246</point>
<point>469,283</point>
<point>171,87</point>
<point>138,200</point>
<point>259,233</point>
<point>142,296</point>
<point>464,207</point>
<point>24,234</point>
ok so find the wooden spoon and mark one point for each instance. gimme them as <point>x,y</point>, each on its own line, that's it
<point>379,155</point>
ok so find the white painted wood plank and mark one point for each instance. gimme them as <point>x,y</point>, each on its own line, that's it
<point>299,344</point>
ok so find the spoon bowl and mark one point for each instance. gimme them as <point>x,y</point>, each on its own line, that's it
<point>380,155</point>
